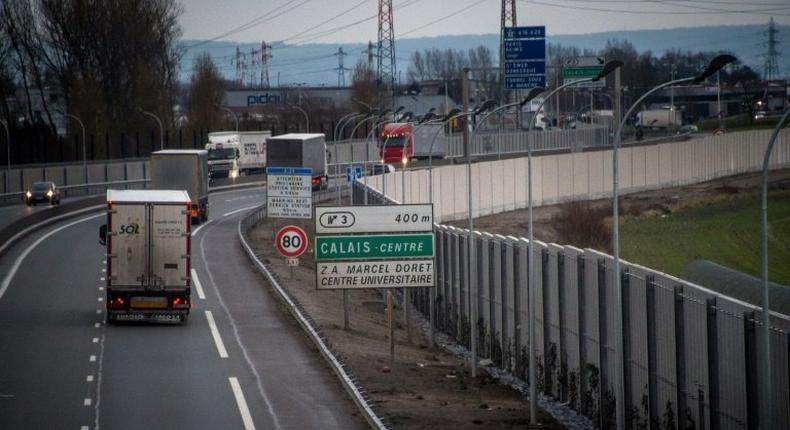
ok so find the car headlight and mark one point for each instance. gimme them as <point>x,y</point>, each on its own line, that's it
<point>29,194</point>
<point>49,193</point>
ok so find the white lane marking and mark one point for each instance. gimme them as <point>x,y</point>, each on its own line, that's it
<point>195,231</point>
<point>237,336</point>
<point>104,270</point>
<point>95,340</point>
<point>29,249</point>
<point>198,287</point>
<point>97,325</point>
<point>98,383</point>
<point>89,378</point>
<point>101,288</point>
<point>92,358</point>
<point>223,353</point>
<point>243,409</point>
<point>98,311</point>
<point>102,279</point>
<point>84,428</point>
<point>101,299</point>
<point>86,402</point>
<point>240,210</point>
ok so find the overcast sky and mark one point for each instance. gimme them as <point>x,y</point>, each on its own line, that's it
<point>333,21</point>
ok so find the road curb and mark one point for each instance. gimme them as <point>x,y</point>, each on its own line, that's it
<point>343,373</point>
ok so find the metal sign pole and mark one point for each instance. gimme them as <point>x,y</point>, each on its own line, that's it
<point>389,328</point>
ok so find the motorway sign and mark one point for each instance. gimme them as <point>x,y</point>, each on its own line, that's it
<point>373,219</point>
<point>374,246</point>
<point>577,68</point>
<point>291,241</point>
<point>380,246</point>
<point>353,173</point>
<point>375,274</point>
<point>289,192</point>
<point>525,57</point>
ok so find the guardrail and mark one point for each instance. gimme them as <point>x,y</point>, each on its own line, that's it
<point>691,354</point>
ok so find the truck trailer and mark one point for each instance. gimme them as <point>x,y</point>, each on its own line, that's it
<point>430,140</point>
<point>147,239</point>
<point>183,169</point>
<point>659,118</point>
<point>300,150</point>
<point>232,154</point>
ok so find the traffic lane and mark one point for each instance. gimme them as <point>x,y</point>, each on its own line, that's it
<point>58,356</point>
<point>295,388</point>
<point>9,214</point>
<point>47,331</point>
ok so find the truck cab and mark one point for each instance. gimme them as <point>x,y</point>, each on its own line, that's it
<point>396,143</point>
<point>223,155</point>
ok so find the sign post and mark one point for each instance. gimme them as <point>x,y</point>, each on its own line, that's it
<point>525,57</point>
<point>289,192</point>
<point>375,247</point>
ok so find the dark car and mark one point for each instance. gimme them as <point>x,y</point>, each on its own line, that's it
<point>42,192</point>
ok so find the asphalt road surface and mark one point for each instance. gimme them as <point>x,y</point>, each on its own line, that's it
<point>239,361</point>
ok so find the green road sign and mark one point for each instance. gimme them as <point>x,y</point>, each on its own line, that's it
<point>383,246</point>
<point>581,72</point>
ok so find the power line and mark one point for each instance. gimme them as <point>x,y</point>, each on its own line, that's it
<point>659,12</point>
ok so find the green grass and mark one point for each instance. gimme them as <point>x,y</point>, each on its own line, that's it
<point>726,232</point>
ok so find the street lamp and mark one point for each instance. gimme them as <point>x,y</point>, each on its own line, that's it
<point>235,118</point>
<point>766,394</point>
<point>161,127</point>
<point>714,66</point>
<point>8,153</point>
<point>84,156</point>
<point>306,118</point>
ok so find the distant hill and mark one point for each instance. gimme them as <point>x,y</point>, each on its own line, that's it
<point>315,64</point>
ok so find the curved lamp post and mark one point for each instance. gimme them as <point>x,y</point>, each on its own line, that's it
<point>306,117</point>
<point>161,128</point>
<point>608,68</point>
<point>8,154</point>
<point>767,388</point>
<point>233,114</point>
<point>715,65</point>
<point>84,156</point>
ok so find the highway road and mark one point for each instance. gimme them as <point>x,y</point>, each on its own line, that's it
<point>239,361</point>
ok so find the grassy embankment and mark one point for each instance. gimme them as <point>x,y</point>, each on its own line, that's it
<point>726,231</point>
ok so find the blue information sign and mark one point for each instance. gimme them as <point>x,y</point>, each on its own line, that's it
<point>301,171</point>
<point>353,173</point>
<point>525,57</point>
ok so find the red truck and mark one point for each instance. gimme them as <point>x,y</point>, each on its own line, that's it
<point>396,143</point>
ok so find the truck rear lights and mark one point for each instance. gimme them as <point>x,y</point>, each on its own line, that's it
<point>115,302</point>
<point>180,302</point>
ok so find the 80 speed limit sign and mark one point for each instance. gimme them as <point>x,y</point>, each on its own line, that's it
<point>291,241</point>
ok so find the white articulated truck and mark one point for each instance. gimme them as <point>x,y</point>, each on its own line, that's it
<point>232,154</point>
<point>147,237</point>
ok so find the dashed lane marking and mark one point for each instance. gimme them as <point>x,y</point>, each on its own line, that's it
<point>246,417</point>
<point>223,353</point>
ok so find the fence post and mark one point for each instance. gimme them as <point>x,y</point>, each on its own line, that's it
<point>582,387</point>
<point>713,363</point>
<point>562,348</point>
<point>107,145</point>
<point>753,400</point>
<point>546,312</point>
<point>625,282</point>
<point>652,388</point>
<point>603,341</point>
<point>680,356</point>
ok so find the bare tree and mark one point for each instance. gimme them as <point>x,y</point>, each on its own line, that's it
<point>205,93</point>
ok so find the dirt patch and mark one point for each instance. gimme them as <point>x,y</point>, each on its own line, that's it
<point>427,387</point>
<point>592,219</point>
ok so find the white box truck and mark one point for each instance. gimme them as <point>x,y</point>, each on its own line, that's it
<point>183,169</point>
<point>147,239</point>
<point>232,154</point>
<point>659,118</point>
<point>300,150</point>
